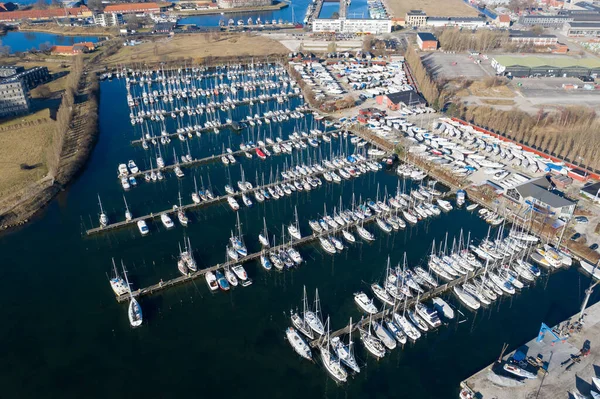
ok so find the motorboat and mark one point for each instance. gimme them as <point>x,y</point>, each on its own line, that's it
<point>211,281</point>
<point>142,227</point>
<point>166,221</point>
<point>364,303</point>
<point>518,371</point>
<point>443,307</point>
<point>429,315</point>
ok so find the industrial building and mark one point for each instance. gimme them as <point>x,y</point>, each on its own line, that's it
<point>243,3</point>
<point>426,41</point>
<point>537,196</point>
<point>582,29</point>
<point>591,191</point>
<point>461,22</point>
<point>401,99</point>
<point>416,18</point>
<point>530,38</point>
<point>539,65</point>
<point>133,8</point>
<point>343,25</point>
<point>14,97</point>
<point>46,15</point>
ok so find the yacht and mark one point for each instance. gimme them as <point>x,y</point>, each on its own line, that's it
<point>211,280</point>
<point>466,298</point>
<point>142,227</point>
<point>371,343</point>
<point>117,283</point>
<point>231,279</point>
<point>348,236</point>
<point>298,343</point>
<point>222,281</point>
<point>345,352</point>
<point>382,294</point>
<point>299,320</point>
<point>103,217</point>
<point>443,307</point>
<point>166,221</point>
<point>134,311</point>
<point>233,203</point>
<point>327,245</point>
<point>364,233</point>
<point>395,331</point>
<point>384,335</point>
<point>429,315</point>
<point>406,326</point>
<point>364,303</point>
<point>313,319</point>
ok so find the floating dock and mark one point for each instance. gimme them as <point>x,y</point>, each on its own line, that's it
<point>212,158</point>
<point>192,276</point>
<point>238,194</point>
<point>565,378</point>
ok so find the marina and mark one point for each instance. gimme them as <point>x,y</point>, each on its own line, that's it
<point>241,317</point>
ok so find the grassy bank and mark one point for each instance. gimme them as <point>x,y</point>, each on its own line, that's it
<point>70,30</point>
<point>197,47</point>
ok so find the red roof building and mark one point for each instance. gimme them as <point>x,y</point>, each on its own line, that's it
<point>77,12</point>
<point>77,48</point>
<point>133,8</point>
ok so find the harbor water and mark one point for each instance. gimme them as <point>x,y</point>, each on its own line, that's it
<point>66,335</point>
<point>19,41</point>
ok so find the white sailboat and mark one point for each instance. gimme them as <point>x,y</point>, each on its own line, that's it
<point>117,283</point>
<point>264,236</point>
<point>183,219</point>
<point>313,319</point>
<point>299,321</point>
<point>294,229</point>
<point>134,310</point>
<point>103,217</point>
<point>346,352</point>
<point>330,361</point>
<point>128,215</point>
<point>298,344</point>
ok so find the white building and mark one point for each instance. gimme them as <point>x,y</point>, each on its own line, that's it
<point>463,22</point>
<point>342,25</point>
<point>108,19</point>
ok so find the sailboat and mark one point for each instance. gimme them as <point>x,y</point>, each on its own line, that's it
<point>183,219</point>
<point>330,361</point>
<point>264,236</point>
<point>371,343</point>
<point>296,341</point>
<point>103,217</point>
<point>299,321</point>
<point>134,310</point>
<point>313,319</point>
<point>195,196</point>
<point>117,283</point>
<point>346,352</point>
<point>294,229</point>
<point>128,215</point>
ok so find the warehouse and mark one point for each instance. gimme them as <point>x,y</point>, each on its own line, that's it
<point>550,66</point>
<point>582,29</point>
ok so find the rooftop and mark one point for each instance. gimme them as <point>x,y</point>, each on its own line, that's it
<point>533,61</point>
<point>131,7</point>
<point>524,33</point>
<point>426,36</point>
<point>416,13</point>
<point>457,19</point>
<point>589,25</point>
<point>538,189</point>
<point>409,98</point>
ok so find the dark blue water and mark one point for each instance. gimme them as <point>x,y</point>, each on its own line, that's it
<point>66,337</point>
<point>293,13</point>
<point>25,41</point>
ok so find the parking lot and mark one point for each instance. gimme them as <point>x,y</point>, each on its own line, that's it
<point>539,91</point>
<point>457,65</point>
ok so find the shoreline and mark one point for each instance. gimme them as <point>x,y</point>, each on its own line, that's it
<point>241,10</point>
<point>56,30</point>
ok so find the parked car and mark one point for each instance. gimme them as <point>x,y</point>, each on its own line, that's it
<point>581,219</point>
<point>594,246</point>
<point>575,236</point>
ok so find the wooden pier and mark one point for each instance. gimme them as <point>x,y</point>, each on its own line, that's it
<point>192,276</point>
<point>300,109</point>
<point>157,215</point>
<point>212,158</point>
<point>236,103</point>
<point>411,301</point>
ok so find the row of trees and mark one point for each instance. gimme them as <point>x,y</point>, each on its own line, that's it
<point>481,40</point>
<point>568,133</point>
<point>64,116</point>
<point>427,85</point>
